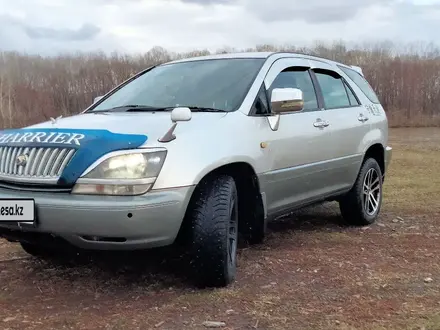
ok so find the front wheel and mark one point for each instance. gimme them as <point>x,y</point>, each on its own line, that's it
<point>361,206</point>
<point>39,251</point>
<point>214,232</point>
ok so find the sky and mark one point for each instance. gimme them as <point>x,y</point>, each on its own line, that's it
<point>135,26</point>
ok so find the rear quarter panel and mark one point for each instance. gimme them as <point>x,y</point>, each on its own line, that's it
<point>378,121</point>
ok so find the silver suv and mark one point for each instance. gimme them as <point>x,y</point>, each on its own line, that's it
<point>198,152</point>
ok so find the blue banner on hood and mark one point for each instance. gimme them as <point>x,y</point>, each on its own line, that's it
<point>90,145</point>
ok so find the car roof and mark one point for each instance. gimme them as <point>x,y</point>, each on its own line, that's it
<point>261,55</point>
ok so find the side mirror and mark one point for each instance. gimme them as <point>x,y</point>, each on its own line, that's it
<point>181,114</point>
<point>96,99</point>
<point>287,100</point>
<point>178,114</point>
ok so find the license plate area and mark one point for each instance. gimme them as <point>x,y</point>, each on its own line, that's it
<point>17,211</point>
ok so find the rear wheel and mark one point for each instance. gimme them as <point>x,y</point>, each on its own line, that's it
<point>214,232</point>
<point>361,206</point>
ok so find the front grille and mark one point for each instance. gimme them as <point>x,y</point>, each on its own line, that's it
<point>33,165</point>
<point>26,186</point>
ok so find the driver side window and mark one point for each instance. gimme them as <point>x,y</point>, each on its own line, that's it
<point>297,77</point>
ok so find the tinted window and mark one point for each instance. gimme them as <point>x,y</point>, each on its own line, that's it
<point>297,78</point>
<point>333,91</point>
<point>220,84</point>
<point>261,103</point>
<point>353,100</point>
<point>362,83</point>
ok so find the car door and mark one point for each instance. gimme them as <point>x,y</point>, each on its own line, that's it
<point>297,146</point>
<point>348,128</point>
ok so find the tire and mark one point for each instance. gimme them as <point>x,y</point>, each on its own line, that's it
<point>357,207</point>
<point>39,251</point>
<point>253,226</point>
<point>214,232</point>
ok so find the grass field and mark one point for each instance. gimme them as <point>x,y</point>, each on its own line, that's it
<point>312,272</point>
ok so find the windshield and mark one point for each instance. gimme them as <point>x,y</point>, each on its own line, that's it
<point>216,84</point>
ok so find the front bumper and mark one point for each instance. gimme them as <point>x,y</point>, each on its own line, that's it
<point>106,222</point>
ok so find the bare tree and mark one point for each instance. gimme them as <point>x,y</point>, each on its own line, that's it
<point>33,88</point>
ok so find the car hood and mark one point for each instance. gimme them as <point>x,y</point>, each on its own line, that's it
<point>153,125</point>
<point>91,136</point>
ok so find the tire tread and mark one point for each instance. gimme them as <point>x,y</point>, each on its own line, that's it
<point>210,225</point>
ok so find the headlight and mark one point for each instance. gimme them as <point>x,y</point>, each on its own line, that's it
<point>126,173</point>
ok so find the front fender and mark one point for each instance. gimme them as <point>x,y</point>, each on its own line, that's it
<point>219,163</point>
<point>194,154</point>
<point>180,171</point>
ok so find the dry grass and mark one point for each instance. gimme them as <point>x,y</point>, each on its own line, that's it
<point>413,183</point>
<point>312,273</point>
<point>397,119</point>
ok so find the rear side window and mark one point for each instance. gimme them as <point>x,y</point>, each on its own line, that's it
<point>362,83</point>
<point>353,99</point>
<point>333,91</point>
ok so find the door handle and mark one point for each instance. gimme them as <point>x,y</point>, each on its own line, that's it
<point>362,118</point>
<point>320,123</point>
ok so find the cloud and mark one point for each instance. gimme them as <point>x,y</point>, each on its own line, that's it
<point>133,26</point>
<point>209,2</point>
<point>85,32</point>
<point>312,11</point>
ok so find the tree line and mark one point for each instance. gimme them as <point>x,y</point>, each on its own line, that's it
<point>34,88</point>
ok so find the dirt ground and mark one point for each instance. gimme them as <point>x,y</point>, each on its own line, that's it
<point>312,272</point>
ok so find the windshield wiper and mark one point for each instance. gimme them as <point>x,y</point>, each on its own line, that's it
<point>202,109</point>
<point>139,107</point>
<point>192,108</point>
<point>131,107</point>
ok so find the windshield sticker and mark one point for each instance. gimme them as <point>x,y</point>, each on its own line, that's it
<point>42,137</point>
<point>91,144</point>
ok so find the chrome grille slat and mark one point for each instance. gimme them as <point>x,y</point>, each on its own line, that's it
<point>30,162</point>
<point>12,162</point>
<point>8,157</point>
<point>57,162</point>
<point>43,161</point>
<point>43,165</point>
<point>15,167</point>
<point>2,151</point>
<point>64,163</point>
<point>35,161</point>
<point>3,158</point>
<point>49,163</point>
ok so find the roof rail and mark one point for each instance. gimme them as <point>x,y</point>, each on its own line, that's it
<point>304,54</point>
<point>358,69</point>
<point>317,57</point>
